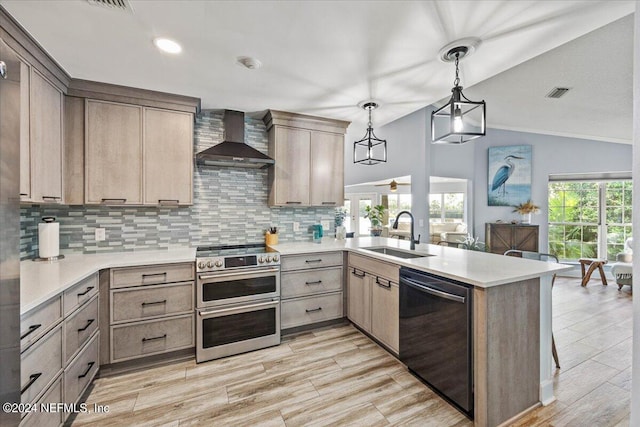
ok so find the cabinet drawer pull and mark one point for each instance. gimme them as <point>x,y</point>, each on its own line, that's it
<point>154,338</point>
<point>355,273</point>
<point>32,379</point>
<point>294,203</point>
<point>23,194</point>
<point>90,365</point>
<point>89,322</point>
<point>154,274</point>
<point>309,261</point>
<point>164,301</point>
<point>313,310</point>
<point>328,203</point>
<point>168,201</point>
<point>51,198</point>
<point>85,292</point>
<point>114,200</point>
<point>379,283</point>
<point>31,330</point>
<point>317,282</point>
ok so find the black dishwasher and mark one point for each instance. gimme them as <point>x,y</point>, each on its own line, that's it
<point>436,334</point>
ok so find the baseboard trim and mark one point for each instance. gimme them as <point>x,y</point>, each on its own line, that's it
<point>546,392</point>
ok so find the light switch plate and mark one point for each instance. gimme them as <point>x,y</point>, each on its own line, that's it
<point>101,235</point>
<point>296,226</point>
<point>325,224</point>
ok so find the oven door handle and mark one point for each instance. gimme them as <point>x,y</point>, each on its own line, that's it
<point>253,273</point>
<point>241,309</point>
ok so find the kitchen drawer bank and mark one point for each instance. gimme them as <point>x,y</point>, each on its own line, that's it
<point>311,288</point>
<point>60,348</point>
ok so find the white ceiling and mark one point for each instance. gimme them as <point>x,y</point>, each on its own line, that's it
<point>323,57</point>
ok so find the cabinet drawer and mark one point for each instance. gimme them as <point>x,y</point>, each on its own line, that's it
<point>81,370</point>
<point>150,302</point>
<point>38,321</point>
<point>79,327</point>
<point>40,364</point>
<point>77,295</point>
<point>302,311</point>
<point>45,419</point>
<point>375,267</point>
<point>302,262</point>
<point>151,274</point>
<point>310,282</point>
<point>151,337</point>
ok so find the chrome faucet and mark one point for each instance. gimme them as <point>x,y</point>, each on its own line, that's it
<point>395,227</point>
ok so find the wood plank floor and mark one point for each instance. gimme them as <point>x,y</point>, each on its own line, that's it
<point>338,376</point>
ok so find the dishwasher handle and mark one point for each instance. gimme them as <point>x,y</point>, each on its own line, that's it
<point>429,290</point>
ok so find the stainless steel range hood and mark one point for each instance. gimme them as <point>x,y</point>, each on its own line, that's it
<point>233,152</point>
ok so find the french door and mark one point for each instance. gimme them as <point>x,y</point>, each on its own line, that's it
<point>355,204</point>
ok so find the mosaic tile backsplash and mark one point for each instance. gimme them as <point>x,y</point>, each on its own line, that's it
<point>230,207</point>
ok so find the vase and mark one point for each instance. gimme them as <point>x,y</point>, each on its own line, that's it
<point>376,232</point>
<point>341,232</point>
<point>526,218</point>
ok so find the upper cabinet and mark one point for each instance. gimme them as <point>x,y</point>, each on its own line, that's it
<point>40,139</point>
<point>137,155</point>
<point>309,155</point>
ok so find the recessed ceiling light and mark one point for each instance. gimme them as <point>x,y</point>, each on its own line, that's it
<point>249,62</point>
<point>167,45</point>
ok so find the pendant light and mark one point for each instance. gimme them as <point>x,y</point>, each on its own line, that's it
<point>461,119</point>
<point>370,150</point>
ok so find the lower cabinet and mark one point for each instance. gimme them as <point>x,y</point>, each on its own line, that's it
<point>311,289</point>
<point>60,352</point>
<point>374,305</point>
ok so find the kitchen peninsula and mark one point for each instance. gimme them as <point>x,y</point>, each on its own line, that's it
<point>511,307</point>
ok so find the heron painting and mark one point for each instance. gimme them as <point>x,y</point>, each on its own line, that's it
<point>509,180</point>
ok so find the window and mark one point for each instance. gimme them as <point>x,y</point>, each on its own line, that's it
<point>446,207</point>
<point>589,219</point>
<point>397,203</point>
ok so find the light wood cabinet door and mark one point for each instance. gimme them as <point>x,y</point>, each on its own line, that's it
<point>327,169</point>
<point>168,157</point>
<point>113,153</point>
<point>46,140</point>
<point>291,180</point>
<point>385,312</point>
<point>25,140</point>
<point>359,297</point>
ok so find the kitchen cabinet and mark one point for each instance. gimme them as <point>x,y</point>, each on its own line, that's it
<point>151,310</point>
<point>503,237</point>
<point>136,155</point>
<point>374,304</point>
<point>309,155</point>
<point>59,349</point>
<point>311,289</point>
<point>40,138</point>
<point>168,157</point>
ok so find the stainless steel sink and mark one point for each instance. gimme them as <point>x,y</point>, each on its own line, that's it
<point>396,252</point>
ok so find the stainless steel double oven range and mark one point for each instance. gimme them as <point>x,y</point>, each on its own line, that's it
<point>238,300</point>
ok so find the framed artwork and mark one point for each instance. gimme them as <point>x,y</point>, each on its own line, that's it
<point>509,175</point>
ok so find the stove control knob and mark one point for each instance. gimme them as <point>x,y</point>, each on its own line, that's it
<point>201,265</point>
<point>210,264</point>
<point>268,258</point>
<point>275,258</point>
<point>261,260</point>
<point>218,263</point>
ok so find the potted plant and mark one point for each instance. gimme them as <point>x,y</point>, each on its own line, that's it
<point>472,244</point>
<point>341,231</point>
<point>375,215</point>
<point>525,210</point>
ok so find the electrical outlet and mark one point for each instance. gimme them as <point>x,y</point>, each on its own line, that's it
<point>325,224</point>
<point>296,226</point>
<point>101,234</point>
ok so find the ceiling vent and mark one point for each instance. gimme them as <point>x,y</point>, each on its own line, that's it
<point>112,4</point>
<point>557,92</point>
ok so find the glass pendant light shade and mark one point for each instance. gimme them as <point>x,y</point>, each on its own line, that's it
<point>460,120</point>
<point>370,150</point>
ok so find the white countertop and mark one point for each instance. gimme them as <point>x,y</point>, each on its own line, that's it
<point>40,281</point>
<point>480,269</point>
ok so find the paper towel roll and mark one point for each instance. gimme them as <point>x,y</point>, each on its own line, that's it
<point>48,238</point>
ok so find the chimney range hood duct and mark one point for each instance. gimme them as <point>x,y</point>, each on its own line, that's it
<point>233,152</point>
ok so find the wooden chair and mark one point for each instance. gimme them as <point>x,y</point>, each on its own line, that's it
<point>540,256</point>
